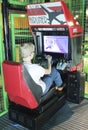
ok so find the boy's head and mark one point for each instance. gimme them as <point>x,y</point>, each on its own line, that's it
<point>27,50</point>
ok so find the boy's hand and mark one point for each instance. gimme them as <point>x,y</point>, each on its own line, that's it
<point>49,58</point>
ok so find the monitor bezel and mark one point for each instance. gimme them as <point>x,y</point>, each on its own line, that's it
<point>56,33</point>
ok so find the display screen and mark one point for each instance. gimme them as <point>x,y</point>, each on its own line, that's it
<point>55,44</point>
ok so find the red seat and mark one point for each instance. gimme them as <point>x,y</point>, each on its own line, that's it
<point>26,105</point>
<point>16,87</point>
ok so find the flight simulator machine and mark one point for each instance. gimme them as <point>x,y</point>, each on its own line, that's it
<point>58,34</point>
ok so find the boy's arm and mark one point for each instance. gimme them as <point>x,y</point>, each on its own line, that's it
<point>48,70</point>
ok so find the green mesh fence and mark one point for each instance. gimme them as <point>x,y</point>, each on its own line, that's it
<point>24,2</point>
<point>86,21</point>
<point>18,2</point>
<point>20,33</point>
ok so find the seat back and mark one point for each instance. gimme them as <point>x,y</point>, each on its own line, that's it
<point>20,90</point>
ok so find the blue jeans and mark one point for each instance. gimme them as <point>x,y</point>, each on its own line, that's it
<point>54,76</point>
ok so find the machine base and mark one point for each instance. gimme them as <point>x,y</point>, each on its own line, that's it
<point>33,120</point>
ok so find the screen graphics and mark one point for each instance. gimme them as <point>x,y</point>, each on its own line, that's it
<point>55,44</point>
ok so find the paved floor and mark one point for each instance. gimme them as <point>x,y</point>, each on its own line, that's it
<point>70,117</point>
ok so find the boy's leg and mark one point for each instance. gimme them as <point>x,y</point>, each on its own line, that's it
<point>48,81</point>
<point>53,77</point>
<point>56,77</point>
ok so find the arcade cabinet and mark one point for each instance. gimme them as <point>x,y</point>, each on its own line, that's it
<point>55,33</point>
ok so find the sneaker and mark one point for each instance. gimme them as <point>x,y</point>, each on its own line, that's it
<point>59,88</point>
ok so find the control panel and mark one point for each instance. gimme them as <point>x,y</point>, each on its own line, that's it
<point>60,64</point>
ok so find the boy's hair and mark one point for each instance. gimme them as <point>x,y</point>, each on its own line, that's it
<point>26,49</point>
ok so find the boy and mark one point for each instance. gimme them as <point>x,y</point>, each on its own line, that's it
<point>43,77</point>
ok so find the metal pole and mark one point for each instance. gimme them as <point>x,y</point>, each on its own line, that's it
<point>6,29</point>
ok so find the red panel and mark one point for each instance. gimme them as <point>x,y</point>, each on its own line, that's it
<point>77,67</point>
<point>53,14</point>
<point>16,87</point>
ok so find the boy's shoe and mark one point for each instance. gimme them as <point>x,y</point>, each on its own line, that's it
<point>59,88</point>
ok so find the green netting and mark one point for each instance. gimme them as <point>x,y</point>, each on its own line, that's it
<point>86,89</point>
<point>24,2</point>
<point>18,2</point>
<point>85,64</point>
<point>20,33</point>
<point>85,58</point>
<point>86,21</point>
